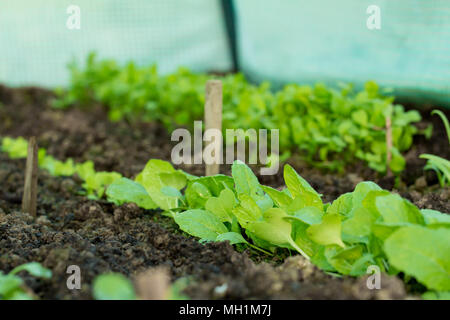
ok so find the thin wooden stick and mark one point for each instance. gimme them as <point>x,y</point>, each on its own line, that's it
<point>29,199</point>
<point>213,118</point>
<point>388,145</point>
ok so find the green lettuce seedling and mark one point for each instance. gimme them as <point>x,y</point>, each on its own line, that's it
<point>12,286</point>
<point>440,165</point>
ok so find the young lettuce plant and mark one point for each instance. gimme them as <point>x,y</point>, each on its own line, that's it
<point>12,286</point>
<point>368,226</point>
<point>440,165</point>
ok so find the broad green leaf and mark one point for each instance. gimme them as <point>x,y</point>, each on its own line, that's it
<point>395,209</point>
<point>432,295</point>
<point>222,206</point>
<point>321,261</point>
<point>200,223</point>
<point>362,190</point>
<point>359,226</point>
<point>245,180</point>
<point>113,286</point>
<point>125,190</point>
<point>232,237</point>
<point>342,205</point>
<point>296,184</point>
<point>327,232</point>
<point>8,284</point>
<point>198,191</point>
<point>422,253</point>
<point>175,180</point>
<point>197,194</point>
<point>33,268</point>
<point>343,260</point>
<point>171,192</point>
<point>383,230</point>
<point>435,218</point>
<point>301,239</point>
<point>281,199</point>
<point>264,202</point>
<point>247,211</point>
<point>308,199</point>
<point>158,174</point>
<point>275,229</point>
<point>308,215</point>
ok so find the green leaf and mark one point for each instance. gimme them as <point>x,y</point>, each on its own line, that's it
<point>327,232</point>
<point>397,163</point>
<point>307,199</point>
<point>222,206</point>
<point>113,286</point>
<point>383,230</point>
<point>275,229</point>
<point>200,223</point>
<point>281,199</point>
<point>308,215</point>
<point>360,117</point>
<point>171,192</point>
<point>198,191</point>
<point>300,237</point>
<point>435,218</point>
<point>422,253</point>
<point>158,174</point>
<point>362,190</point>
<point>342,205</point>
<point>125,190</point>
<point>351,260</point>
<point>232,237</point>
<point>432,295</point>
<point>33,268</point>
<point>247,211</point>
<point>8,285</point>
<point>296,184</point>
<point>359,226</point>
<point>245,180</point>
<point>394,209</point>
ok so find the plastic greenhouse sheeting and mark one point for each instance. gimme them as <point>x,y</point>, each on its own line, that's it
<point>36,45</point>
<point>328,41</point>
<point>283,41</point>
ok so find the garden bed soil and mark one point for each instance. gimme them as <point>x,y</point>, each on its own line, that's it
<point>101,237</point>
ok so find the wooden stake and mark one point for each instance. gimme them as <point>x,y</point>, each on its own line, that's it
<point>31,171</point>
<point>388,145</point>
<point>213,117</point>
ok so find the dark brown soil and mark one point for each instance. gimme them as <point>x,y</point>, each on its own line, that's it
<point>100,237</point>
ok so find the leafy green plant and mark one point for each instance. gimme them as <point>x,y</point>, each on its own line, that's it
<point>368,226</point>
<point>328,128</point>
<point>12,286</point>
<point>113,286</point>
<point>16,148</point>
<point>440,165</point>
<point>95,183</point>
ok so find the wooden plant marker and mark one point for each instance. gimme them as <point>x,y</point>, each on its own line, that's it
<point>213,117</point>
<point>31,171</point>
<point>388,145</point>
